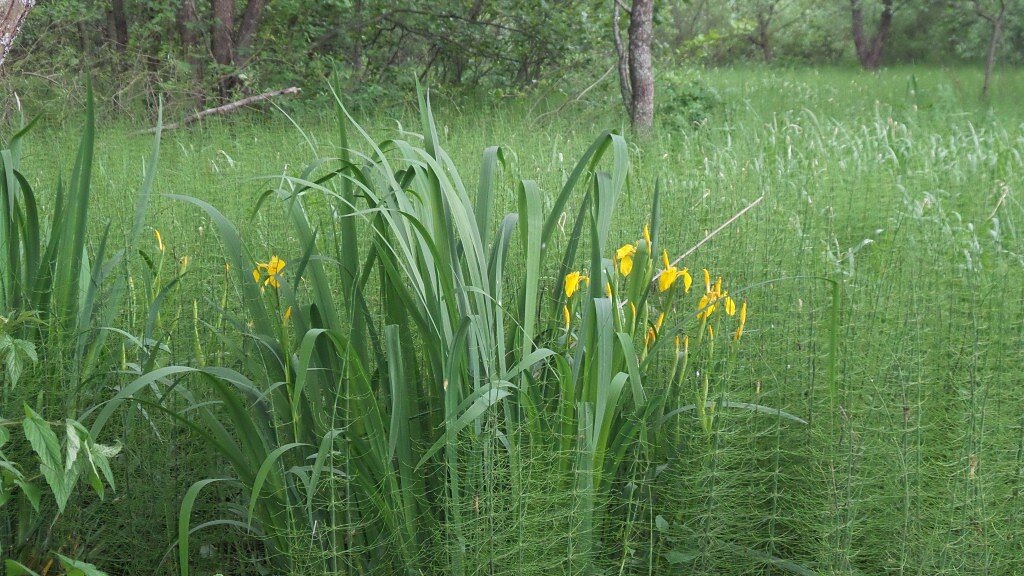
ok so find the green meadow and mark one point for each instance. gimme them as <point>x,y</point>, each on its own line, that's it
<point>418,390</point>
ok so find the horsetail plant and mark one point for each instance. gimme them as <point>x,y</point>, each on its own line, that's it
<point>393,384</point>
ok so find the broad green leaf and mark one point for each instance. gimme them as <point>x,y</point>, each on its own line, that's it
<point>78,567</point>
<point>46,446</point>
<point>660,523</point>
<point>680,556</point>
<point>15,568</point>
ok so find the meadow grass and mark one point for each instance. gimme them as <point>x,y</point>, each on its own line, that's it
<point>900,188</point>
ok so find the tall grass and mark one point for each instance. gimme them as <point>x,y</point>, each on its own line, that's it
<point>406,377</point>
<point>58,304</point>
<point>896,187</point>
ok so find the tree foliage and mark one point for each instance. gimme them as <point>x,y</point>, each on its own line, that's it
<point>191,50</point>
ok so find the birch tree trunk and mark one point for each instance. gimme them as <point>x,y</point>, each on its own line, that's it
<point>12,14</point>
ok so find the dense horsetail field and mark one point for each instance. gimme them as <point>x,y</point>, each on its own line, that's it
<point>870,420</point>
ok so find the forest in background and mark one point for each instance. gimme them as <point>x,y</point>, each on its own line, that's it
<point>197,54</point>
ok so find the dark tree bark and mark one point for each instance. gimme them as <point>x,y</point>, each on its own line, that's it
<point>762,37</point>
<point>12,14</point>
<point>249,25</point>
<point>118,25</point>
<point>996,20</point>
<point>221,43</point>
<point>187,21</point>
<point>869,50</point>
<point>641,67</point>
<point>231,47</point>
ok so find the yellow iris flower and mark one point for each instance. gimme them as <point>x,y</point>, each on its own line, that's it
<point>653,331</point>
<point>566,316</point>
<point>572,283</point>
<point>670,274</point>
<point>713,295</point>
<point>743,321</point>
<point>272,270</point>
<point>707,305</point>
<point>159,240</point>
<point>624,256</point>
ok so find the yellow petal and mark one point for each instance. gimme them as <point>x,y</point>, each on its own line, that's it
<point>275,265</point>
<point>706,306</point>
<point>687,280</point>
<point>625,251</point>
<point>707,280</point>
<point>647,234</point>
<point>159,240</point>
<point>608,289</point>
<point>730,306</point>
<point>566,316</point>
<point>287,313</point>
<point>572,283</point>
<point>256,275</point>
<point>659,322</point>
<point>626,265</point>
<point>664,259</point>
<point>743,321</point>
<point>667,278</point>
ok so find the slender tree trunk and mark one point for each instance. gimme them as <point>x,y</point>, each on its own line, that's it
<point>623,59</point>
<point>187,20</point>
<point>248,26</point>
<point>996,21</point>
<point>869,50</point>
<point>763,39</point>
<point>119,25</point>
<point>356,55</point>
<point>990,60</point>
<point>222,45</point>
<point>641,69</point>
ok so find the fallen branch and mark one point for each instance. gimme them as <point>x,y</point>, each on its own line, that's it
<point>228,108</point>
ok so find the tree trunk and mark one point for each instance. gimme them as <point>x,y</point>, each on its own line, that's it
<point>764,37</point>
<point>12,14</point>
<point>641,70</point>
<point>118,25</point>
<point>249,25</point>
<point>990,60</point>
<point>869,51</point>
<point>996,21</point>
<point>356,55</point>
<point>625,89</point>
<point>222,45</point>
<point>187,20</point>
